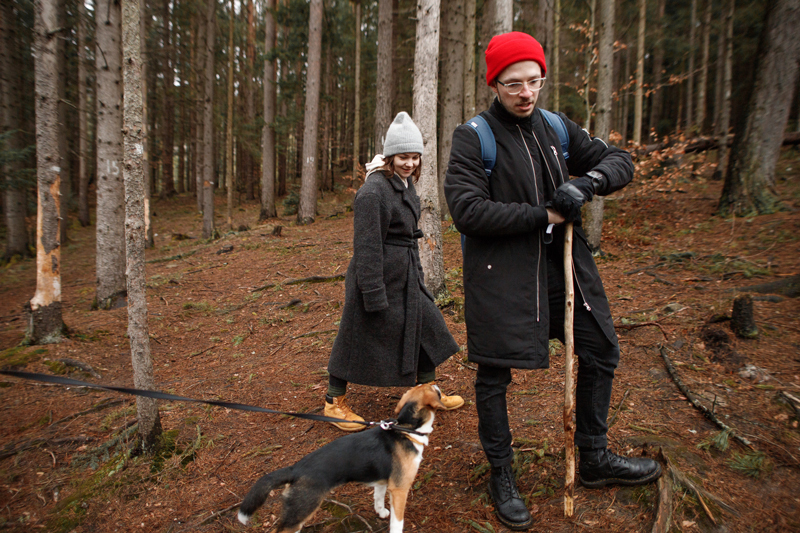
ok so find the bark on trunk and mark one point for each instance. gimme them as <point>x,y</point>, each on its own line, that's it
<point>750,182</point>
<point>605,77</point>
<point>250,105</point>
<point>44,310</point>
<point>110,190</point>
<point>556,57</point>
<point>503,16</point>
<point>690,76</point>
<point>452,50</point>
<point>147,408</point>
<point>168,119</point>
<point>147,168</point>
<point>727,86</point>
<point>637,118</point>
<point>83,133</point>
<point>544,34</point>
<point>14,195</point>
<point>307,210</point>
<point>590,60</point>
<point>383,83</point>
<point>199,107</point>
<point>702,89</point>
<point>63,120</point>
<point>208,124</point>
<point>658,65</point>
<point>469,59</point>
<point>426,60</point>
<point>268,131</point>
<point>229,124</point>
<point>357,94</point>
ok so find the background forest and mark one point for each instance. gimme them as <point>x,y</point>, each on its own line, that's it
<point>176,181</point>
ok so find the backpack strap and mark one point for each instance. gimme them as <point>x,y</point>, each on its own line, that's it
<point>488,144</point>
<point>557,123</point>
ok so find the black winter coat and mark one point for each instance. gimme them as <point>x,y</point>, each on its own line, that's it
<point>504,218</point>
<point>388,312</point>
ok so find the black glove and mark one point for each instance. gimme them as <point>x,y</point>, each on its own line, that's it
<point>570,197</point>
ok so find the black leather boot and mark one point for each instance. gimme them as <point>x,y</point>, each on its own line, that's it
<point>600,467</point>
<point>510,508</point>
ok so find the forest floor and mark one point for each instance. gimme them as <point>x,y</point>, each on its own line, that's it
<point>226,324</point>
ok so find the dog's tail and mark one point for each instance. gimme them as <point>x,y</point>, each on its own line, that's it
<point>261,489</point>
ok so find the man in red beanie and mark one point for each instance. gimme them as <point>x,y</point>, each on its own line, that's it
<point>514,270</point>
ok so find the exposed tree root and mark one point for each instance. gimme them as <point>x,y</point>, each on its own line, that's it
<point>310,279</point>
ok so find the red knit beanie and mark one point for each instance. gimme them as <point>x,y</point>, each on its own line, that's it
<point>509,48</point>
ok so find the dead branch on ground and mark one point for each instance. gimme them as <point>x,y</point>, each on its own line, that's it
<point>641,324</point>
<point>310,279</point>
<point>696,402</point>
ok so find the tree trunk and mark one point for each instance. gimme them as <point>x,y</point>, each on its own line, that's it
<point>658,66</point>
<point>690,76</point>
<point>426,60</point>
<point>702,89</point>
<point>268,131</point>
<point>719,83</point>
<point>383,82</point>
<point>199,107</point>
<point>626,98</point>
<point>146,408</point>
<point>147,168</point>
<point>750,182</point>
<point>469,59</point>
<point>639,98</point>
<point>727,86</point>
<point>590,60</point>
<point>209,157</point>
<point>308,188</point>
<point>503,16</point>
<point>83,132</point>
<point>605,77</point>
<point>544,34</point>
<point>229,123</point>
<point>168,119</point>
<point>250,105</point>
<point>357,92</point>
<point>14,195</point>
<point>452,49</point>
<point>44,310</point>
<point>63,120</point>
<point>110,188</point>
<point>556,57</point>
<point>483,94</point>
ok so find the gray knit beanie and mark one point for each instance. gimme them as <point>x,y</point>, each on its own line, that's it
<point>402,137</point>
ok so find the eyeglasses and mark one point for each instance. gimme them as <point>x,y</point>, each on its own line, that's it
<point>515,88</point>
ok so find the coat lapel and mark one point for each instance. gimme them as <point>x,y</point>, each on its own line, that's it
<point>550,147</point>
<point>408,194</point>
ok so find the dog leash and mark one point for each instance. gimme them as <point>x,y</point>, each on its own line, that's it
<point>385,425</point>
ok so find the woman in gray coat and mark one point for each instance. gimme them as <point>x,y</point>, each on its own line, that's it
<point>391,333</point>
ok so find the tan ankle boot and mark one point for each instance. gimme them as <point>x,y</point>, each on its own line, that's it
<point>336,407</point>
<point>452,402</point>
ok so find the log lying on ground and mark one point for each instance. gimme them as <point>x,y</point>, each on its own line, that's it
<point>706,143</point>
<point>789,287</point>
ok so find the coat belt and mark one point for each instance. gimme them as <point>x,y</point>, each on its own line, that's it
<point>411,336</point>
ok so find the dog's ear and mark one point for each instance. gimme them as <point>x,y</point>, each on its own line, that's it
<point>433,397</point>
<point>404,399</point>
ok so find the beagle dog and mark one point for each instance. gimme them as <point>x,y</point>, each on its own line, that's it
<point>386,458</point>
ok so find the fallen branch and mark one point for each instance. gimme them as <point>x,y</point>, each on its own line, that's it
<point>14,449</point>
<point>310,279</point>
<point>80,366</point>
<point>619,406</point>
<point>696,402</point>
<point>218,513</point>
<point>664,513</point>
<point>312,333</point>
<point>640,324</point>
<point>104,404</point>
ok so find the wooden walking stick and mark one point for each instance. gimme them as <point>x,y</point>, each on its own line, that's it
<point>569,377</point>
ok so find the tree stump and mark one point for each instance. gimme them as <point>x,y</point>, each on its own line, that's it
<point>743,323</point>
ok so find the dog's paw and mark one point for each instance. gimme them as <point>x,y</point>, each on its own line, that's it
<point>383,513</point>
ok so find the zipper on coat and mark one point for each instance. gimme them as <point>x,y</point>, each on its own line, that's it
<point>561,173</point>
<point>539,241</point>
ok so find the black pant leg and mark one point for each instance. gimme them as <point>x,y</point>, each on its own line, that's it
<point>491,384</point>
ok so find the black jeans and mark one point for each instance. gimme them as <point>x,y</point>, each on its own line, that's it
<point>597,359</point>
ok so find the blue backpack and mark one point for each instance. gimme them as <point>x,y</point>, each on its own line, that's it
<point>489,146</point>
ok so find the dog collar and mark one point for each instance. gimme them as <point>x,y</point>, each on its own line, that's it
<point>391,425</point>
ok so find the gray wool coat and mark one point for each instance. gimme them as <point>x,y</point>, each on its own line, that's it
<point>388,312</point>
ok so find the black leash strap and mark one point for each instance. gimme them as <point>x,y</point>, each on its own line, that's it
<point>158,395</point>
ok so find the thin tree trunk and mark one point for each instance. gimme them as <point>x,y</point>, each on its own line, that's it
<point>544,34</point>
<point>426,61</point>
<point>556,57</point>
<point>250,104</point>
<point>209,156</point>
<point>690,76</point>
<point>83,133</point>
<point>658,65</point>
<point>357,92</point>
<point>147,168</point>
<point>702,89</point>
<point>605,77</point>
<point>146,408</point>
<point>307,210</point>
<point>44,310</point>
<point>469,59</point>
<point>503,16</point>
<point>110,258</point>
<point>452,50</point>
<point>626,97</point>
<point>268,131</point>
<point>639,98</point>
<point>168,119</point>
<point>719,77</point>
<point>727,86</point>
<point>63,120</point>
<point>383,82</point>
<point>14,196</point>
<point>199,107</point>
<point>750,182</point>
<point>483,94</point>
<point>229,124</point>
<point>590,60</point>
